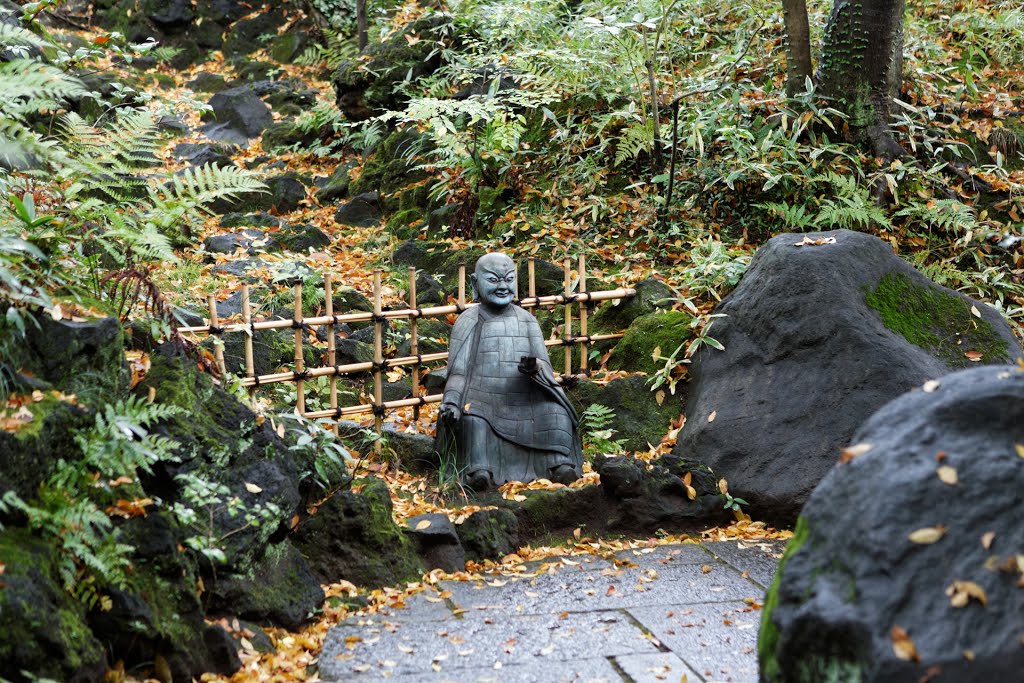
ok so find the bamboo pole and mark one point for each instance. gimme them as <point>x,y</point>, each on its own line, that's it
<point>584,346</point>
<point>462,288</point>
<point>218,345</point>
<point>531,279</point>
<point>414,343</point>
<point>332,352</point>
<point>551,301</point>
<point>567,329</point>
<point>250,363</point>
<point>378,360</point>
<point>300,385</point>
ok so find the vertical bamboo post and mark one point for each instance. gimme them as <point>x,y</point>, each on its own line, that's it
<point>531,277</point>
<point>567,330</point>
<point>414,342</point>
<point>250,363</point>
<point>300,366</point>
<point>378,360</point>
<point>462,287</point>
<point>584,345</point>
<point>218,343</point>
<point>332,356</point>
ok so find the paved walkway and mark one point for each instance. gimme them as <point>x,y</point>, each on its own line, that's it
<point>651,615</point>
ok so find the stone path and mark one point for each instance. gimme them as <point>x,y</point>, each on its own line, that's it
<point>669,613</point>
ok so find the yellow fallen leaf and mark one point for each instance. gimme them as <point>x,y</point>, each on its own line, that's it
<point>930,386</point>
<point>927,535</point>
<point>656,354</point>
<point>252,488</point>
<point>947,475</point>
<point>987,538</point>
<point>854,451</point>
<point>902,645</point>
<point>712,416</point>
<point>1019,448</point>
<point>422,524</point>
<point>975,312</point>
<point>961,592</point>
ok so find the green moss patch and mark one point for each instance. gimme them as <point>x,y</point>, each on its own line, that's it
<point>662,331</point>
<point>935,321</point>
<point>768,636</point>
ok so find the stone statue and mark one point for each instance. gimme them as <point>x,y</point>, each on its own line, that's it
<point>507,416</point>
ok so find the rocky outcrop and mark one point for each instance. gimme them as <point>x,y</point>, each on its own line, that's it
<point>906,564</point>
<point>817,337</point>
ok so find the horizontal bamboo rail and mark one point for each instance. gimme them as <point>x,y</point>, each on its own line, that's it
<point>401,313</point>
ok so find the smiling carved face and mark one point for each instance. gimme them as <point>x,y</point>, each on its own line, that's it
<point>495,281</point>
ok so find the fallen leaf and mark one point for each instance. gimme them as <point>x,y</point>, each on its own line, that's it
<point>808,242</point>
<point>610,591</point>
<point>987,538</point>
<point>975,312</point>
<point>422,524</point>
<point>660,397</point>
<point>712,416</point>
<point>947,475</point>
<point>706,569</point>
<point>927,535</point>
<point>1019,448</point>
<point>252,488</point>
<point>854,451</point>
<point>930,386</point>
<point>961,592</point>
<point>973,356</point>
<point>902,645</point>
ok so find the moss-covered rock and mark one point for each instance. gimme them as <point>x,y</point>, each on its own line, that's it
<point>489,534</point>
<point>936,321</point>
<point>353,537</point>
<point>768,635</point>
<point>365,87</point>
<point>44,629</point>
<point>639,417</point>
<point>391,166</point>
<point>78,357</point>
<point>652,295</point>
<point>655,331</point>
<point>278,588</point>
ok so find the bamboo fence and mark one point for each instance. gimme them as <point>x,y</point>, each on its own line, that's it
<point>416,361</point>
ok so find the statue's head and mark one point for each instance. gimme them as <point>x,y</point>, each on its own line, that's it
<point>494,280</point>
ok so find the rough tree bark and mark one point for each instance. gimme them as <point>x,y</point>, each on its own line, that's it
<point>862,67</point>
<point>362,28</point>
<point>798,45</point>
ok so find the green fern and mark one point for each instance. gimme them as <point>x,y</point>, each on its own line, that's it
<point>339,47</point>
<point>947,215</point>
<point>636,139</point>
<point>597,433</point>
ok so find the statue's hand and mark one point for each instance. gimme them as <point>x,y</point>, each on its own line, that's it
<point>449,412</point>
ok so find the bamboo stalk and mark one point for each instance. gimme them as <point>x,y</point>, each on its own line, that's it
<point>250,363</point>
<point>332,352</point>
<point>218,345</point>
<point>567,329</point>
<point>300,385</point>
<point>584,346</point>
<point>414,342</point>
<point>531,279</point>
<point>462,288</point>
<point>378,359</point>
<point>550,301</point>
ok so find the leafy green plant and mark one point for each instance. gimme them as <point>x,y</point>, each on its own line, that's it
<point>323,458</point>
<point>671,373</point>
<point>597,433</point>
<point>72,504</point>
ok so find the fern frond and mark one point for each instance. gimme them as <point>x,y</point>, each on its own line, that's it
<point>201,185</point>
<point>24,79</point>
<point>796,216</point>
<point>635,139</point>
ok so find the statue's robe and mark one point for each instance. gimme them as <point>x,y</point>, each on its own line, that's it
<point>510,425</point>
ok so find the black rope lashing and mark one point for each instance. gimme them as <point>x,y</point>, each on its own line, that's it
<point>379,318</point>
<point>569,381</point>
<point>300,376</point>
<point>216,331</point>
<point>379,410</point>
<point>300,325</point>
<point>381,366</point>
<point>252,329</point>
<point>255,381</point>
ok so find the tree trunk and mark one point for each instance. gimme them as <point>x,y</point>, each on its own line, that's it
<point>862,67</point>
<point>362,29</point>
<point>798,45</point>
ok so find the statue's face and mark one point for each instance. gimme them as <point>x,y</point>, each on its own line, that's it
<point>495,282</point>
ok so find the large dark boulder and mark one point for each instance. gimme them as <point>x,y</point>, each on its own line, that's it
<point>74,354</point>
<point>238,114</point>
<point>437,541</point>
<point>818,337</point>
<point>906,562</point>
